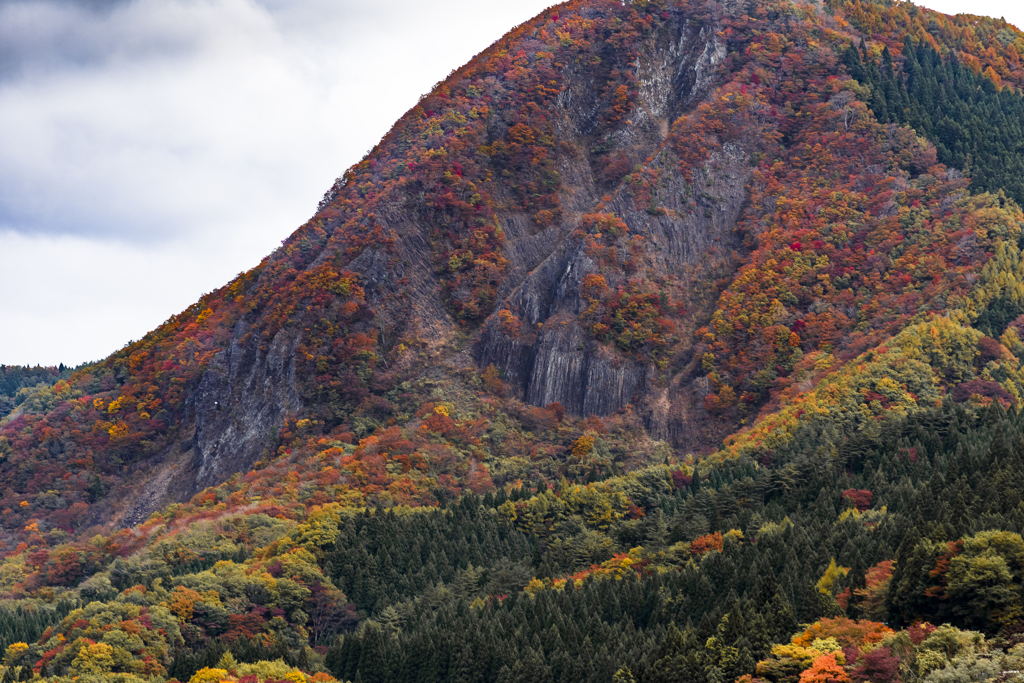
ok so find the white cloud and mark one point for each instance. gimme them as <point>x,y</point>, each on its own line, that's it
<point>63,295</point>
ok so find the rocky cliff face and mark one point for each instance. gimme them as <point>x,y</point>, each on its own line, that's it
<point>562,364</point>
<point>237,406</point>
<point>247,392</point>
<point>243,396</point>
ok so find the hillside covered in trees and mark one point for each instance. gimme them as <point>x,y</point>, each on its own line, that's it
<point>669,340</point>
<point>19,382</point>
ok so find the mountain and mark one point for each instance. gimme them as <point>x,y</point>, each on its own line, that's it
<point>658,324</point>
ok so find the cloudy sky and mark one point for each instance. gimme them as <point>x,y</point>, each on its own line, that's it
<point>152,149</point>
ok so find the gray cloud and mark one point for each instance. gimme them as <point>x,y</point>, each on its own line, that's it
<point>40,36</point>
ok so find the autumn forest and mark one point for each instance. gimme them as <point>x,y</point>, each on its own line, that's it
<point>664,341</point>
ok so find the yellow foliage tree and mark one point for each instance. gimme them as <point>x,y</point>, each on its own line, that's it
<point>209,675</point>
<point>14,653</point>
<point>826,584</point>
<point>583,446</point>
<point>95,658</point>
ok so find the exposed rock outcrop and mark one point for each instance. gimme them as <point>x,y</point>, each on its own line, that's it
<point>241,399</point>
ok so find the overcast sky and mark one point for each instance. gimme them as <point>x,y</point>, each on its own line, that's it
<point>152,149</point>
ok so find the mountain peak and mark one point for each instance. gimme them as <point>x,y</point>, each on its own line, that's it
<point>635,244</point>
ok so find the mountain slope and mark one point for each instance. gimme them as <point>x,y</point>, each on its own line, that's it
<point>317,327</point>
<point>570,204</point>
<point>641,246</point>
